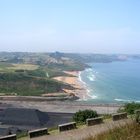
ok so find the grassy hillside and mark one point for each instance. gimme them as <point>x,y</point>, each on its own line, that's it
<point>50,60</point>
<point>45,72</point>
<point>23,84</point>
<point>128,132</point>
<point>29,79</point>
<point>11,67</point>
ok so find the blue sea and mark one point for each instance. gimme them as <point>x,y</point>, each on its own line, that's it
<point>115,82</point>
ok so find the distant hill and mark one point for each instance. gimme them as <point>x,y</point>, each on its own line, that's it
<point>58,60</point>
<point>31,73</point>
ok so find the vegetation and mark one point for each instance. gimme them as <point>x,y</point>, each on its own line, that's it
<point>23,66</point>
<point>10,67</point>
<point>22,134</point>
<point>43,72</point>
<point>130,108</point>
<point>4,65</point>
<point>96,58</point>
<point>23,84</point>
<point>25,73</point>
<point>81,116</point>
<point>32,73</point>
<point>128,132</point>
<point>138,117</point>
<point>28,79</point>
<point>107,116</point>
<point>36,73</point>
<point>63,61</point>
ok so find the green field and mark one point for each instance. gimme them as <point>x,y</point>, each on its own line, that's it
<point>28,79</point>
<point>10,67</point>
<point>22,84</point>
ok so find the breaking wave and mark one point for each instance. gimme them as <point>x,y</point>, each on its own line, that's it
<point>124,100</point>
<point>91,74</point>
<point>85,85</point>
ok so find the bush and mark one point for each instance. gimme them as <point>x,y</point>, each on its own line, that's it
<point>130,108</point>
<point>81,116</point>
<point>138,116</point>
<point>22,134</point>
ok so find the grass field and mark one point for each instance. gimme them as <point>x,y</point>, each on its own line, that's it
<point>28,79</point>
<point>9,67</point>
<point>24,67</point>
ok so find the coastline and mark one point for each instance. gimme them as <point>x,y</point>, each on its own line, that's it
<point>63,104</point>
<point>87,89</point>
<point>80,90</point>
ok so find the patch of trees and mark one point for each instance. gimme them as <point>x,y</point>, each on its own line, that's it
<point>23,84</point>
<point>81,116</point>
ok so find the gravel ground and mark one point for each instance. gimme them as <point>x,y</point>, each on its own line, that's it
<point>63,107</point>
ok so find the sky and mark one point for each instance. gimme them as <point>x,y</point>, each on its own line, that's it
<point>84,26</point>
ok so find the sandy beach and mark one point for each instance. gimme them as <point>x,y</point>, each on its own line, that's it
<point>65,106</point>
<point>80,89</point>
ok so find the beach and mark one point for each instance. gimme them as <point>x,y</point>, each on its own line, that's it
<point>46,104</point>
<point>80,89</point>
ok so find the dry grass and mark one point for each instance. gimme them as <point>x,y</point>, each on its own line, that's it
<point>127,132</point>
<point>23,66</point>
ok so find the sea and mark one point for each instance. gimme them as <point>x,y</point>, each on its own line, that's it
<point>115,82</point>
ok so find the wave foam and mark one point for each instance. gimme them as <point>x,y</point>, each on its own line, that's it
<point>88,70</point>
<point>85,85</point>
<point>91,96</point>
<point>80,79</point>
<point>91,77</point>
<point>91,74</point>
<point>123,100</point>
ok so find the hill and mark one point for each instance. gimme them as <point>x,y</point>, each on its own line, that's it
<point>23,84</point>
<point>32,73</point>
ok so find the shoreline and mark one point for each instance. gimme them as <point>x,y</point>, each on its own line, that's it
<point>80,90</point>
<point>86,88</point>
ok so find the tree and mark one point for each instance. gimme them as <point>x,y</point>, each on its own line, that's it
<point>81,116</point>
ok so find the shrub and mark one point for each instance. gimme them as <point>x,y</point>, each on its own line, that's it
<point>22,134</point>
<point>138,116</point>
<point>81,116</point>
<point>130,108</point>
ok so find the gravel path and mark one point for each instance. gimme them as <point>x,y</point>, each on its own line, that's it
<point>80,134</point>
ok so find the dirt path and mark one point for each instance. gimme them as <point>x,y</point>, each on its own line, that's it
<point>80,134</point>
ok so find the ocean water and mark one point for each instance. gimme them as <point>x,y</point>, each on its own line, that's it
<point>114,82</point>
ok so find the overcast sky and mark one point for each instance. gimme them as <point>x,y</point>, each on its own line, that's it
<point>95,26</point>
